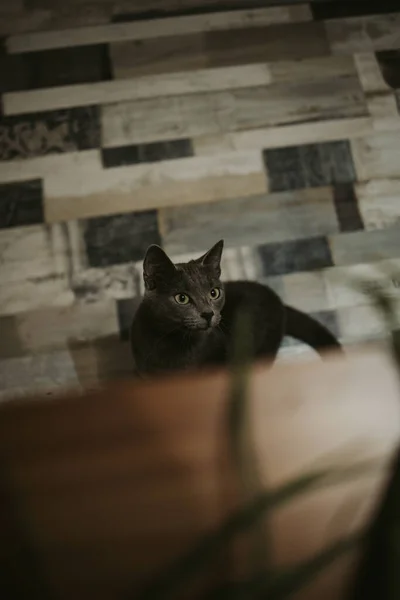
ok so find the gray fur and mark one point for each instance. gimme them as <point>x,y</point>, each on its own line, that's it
<point>167,335</point>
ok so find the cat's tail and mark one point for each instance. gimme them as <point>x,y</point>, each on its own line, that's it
<point>308,330</point>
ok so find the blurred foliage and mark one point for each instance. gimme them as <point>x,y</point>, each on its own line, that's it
<point>205,552</point>
<point>378,576</point>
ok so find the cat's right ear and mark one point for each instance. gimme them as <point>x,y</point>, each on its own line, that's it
<point>157,267</point>
<point>212,258</point>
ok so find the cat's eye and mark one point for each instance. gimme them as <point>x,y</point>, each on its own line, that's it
<point>215,293</point>
<point>182,299</point>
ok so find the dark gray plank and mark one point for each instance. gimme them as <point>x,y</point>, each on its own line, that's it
<point>284,169</point>
<point>14,72</point>
<point>21,203</point>
<point>68,66</point>
<point>145,153</point>
<point>344,8</point>
<point>294,256</point>
<point>346,206</point>
<point>310,165</point>
<point>120,239</point>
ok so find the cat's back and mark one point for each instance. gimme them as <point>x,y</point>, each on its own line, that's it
<point>264,309</point>
<point>252,294</point>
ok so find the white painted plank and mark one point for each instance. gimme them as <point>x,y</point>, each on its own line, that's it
<point>151,86</point>
<point>377,155</point>
<point>233,110</point>
<point>365,246</point>
<point>311,69</point>
<point>87,176</point>
<point>249,221</point>
<point>306,291</point>
<point>379,202</point>
<point>361,323</point>
<point>32,252</point>
<point>176,84</point>
<point>286,135</point>
<point>42,166</point>
<point>370,73</point>
<point>346,286</point>
<point>114,282</point>
<point>33,293</point>
<point>153,29</point>
<point>89,190</point>
<point>57,327</point>
<point>48,373</point>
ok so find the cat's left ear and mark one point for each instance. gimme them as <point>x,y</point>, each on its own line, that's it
<point>212,258</point>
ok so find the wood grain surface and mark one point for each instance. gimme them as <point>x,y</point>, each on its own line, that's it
<point>101,491</point>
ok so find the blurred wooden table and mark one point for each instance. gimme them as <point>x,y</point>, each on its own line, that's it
<point>100,491</point>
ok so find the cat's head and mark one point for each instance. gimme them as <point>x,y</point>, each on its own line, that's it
<point>187,295</point>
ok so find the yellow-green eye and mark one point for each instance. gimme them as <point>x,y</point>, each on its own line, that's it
<point>215,293</point>
<point>182,298</point>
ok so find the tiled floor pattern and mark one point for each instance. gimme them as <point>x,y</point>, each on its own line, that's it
<point>126,123</point>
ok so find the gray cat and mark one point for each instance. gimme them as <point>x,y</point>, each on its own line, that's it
<point>187,316</point>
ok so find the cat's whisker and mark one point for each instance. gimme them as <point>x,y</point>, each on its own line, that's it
<point>222,327</point>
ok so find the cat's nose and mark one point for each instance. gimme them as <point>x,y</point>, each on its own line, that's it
<point>207,316</point>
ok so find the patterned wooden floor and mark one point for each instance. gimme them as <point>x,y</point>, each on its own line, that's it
<point>136,122</point>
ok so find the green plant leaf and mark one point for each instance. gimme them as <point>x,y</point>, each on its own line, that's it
<point>199,557</point>
<point>378,575</point>
<point>284,582</point>
<point>244,453</point>
<point>385,305</point>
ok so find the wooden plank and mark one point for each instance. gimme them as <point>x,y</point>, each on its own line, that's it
<point>89,190</point>
<point>221,112</point>
<point>282,136</point>
<point>32,252</point>
<point>153,57</point>
<point>55,328</point>
<point>227,47</point>
<point>152,29</point>
<point>306,291</point>
<point>110,201</point>
<point>310,69</point>
<point>370,73</point>
<point>43,373</point>
<point>379,202</point>
<point>175,84</point>
<point>151,86</point>
<point>365,246</point>
<point>34,293</point>
<point>42,166</point>
<point>379,274</point>
<point>377,155</point>
<point>364,34</point>
<point>249,221</point>
<point>286,103</point>
<point>278,42</point>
